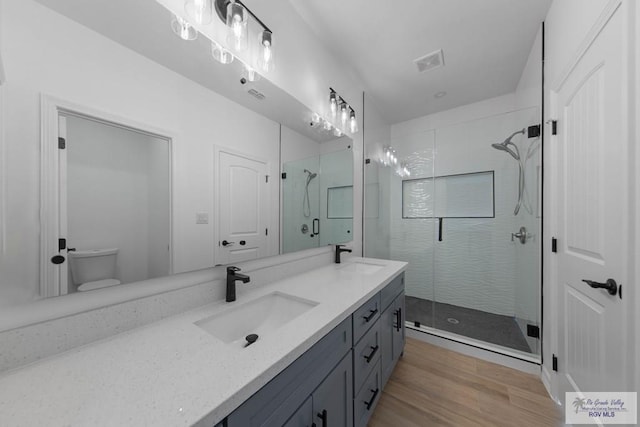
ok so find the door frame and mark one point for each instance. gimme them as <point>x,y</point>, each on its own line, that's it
<point>51,108</point>
<point>272,224</point>
<point>551,176</point>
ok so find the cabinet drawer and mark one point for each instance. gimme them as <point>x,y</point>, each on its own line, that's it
<point>365,317</point>
<point>366,400</point>
<point>391,291</point>
<point>366,355</point>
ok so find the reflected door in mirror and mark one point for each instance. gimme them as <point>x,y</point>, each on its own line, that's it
<point>242,204</point>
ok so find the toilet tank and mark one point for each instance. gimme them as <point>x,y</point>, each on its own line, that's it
<point>91,265</point>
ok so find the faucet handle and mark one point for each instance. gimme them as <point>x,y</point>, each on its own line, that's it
<point>232,269</point>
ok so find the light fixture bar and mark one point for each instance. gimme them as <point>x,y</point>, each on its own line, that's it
<point>221,9</point>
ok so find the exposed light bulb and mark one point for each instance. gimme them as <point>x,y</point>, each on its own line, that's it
<point>327,126</point>
<point>200,11</point>
<point>183,29</point>
<point>344,113</point>
<point>265,59</point>
<point>333,104</point>
<point>353,123</point>
<point>221,54</point>
<point>237,21</point>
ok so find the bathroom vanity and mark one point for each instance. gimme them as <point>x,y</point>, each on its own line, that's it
<point>327,342</point>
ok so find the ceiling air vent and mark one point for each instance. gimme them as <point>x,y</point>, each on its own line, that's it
<point>256,94</point>
<point>430,62</point>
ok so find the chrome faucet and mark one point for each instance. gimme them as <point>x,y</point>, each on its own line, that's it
<point>339,250</point>
<point>232,277</point>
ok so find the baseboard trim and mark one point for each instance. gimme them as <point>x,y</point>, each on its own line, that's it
<point>530,366</point>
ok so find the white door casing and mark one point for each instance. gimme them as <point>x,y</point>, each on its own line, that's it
<point>592,184</point>
<point>243,197</point>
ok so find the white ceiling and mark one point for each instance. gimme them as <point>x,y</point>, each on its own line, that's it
<point>486,44</point>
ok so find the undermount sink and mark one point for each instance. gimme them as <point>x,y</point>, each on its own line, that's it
<point>361,267</point>
<point>261,317</point>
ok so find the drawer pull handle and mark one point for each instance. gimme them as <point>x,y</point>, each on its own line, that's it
<point>374,350</point>
<point>323,416</point>
<point>372,314</point>
<point>373,398</point>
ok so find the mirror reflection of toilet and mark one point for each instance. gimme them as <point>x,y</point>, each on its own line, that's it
<point>94,268</point>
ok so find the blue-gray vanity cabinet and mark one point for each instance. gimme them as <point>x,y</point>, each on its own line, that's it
<point>332,399</point>
<point>392,331</point>
<point>276,402</point>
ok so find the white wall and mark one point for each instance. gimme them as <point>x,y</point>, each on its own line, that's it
<point>64,59</point>
<point>118,196</point>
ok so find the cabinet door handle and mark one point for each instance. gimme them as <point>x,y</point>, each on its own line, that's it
<point>398,314</point>
<point>373,398</point>
<point>323,416</point>
<point>371,315</point>
<point>374,350</point>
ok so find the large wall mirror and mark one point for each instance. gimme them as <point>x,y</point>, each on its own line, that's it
<point>130,154</point>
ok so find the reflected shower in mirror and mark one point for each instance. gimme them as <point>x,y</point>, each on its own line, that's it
<point>317,192</point>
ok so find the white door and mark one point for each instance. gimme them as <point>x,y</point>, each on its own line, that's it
<point>592,173</point>
<point>242,206</point>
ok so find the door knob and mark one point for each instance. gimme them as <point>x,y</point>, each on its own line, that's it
<point>610,285</point>
<point>225,243</point>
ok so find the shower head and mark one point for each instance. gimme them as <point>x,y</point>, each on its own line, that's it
<point>504,145</point>
<point>311,174</point>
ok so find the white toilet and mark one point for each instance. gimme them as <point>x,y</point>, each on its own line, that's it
<point>94,268</point>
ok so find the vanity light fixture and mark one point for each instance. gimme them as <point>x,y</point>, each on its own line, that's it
<point>183,29</point>
<point>199,11</point>
<point>347,113</point>
<point>238,21</point>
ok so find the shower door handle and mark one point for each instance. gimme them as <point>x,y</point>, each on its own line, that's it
<point>439,229</point>
<point>316,226</point>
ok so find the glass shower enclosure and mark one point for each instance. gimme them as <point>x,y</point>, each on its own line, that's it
<point>462,205</point>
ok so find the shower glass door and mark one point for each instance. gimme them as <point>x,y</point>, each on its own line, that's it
<point>444,200</point>
<point>486,278</point>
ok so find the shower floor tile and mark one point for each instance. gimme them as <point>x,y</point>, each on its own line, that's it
<point>480,325</point>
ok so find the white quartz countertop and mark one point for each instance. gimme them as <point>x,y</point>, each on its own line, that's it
<point>172,372</point>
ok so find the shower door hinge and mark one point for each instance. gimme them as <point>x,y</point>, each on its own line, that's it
<point>266,231</point>
<point>554,245</point>
<point>554,363</point>
<point>367,161</point>
<point>533,131</point>
<point>62,143</point>
<point>266,179</point>
<point>554,127</point>
<point>62,244</point>
<point>284,175</point>
<point>533,331</point>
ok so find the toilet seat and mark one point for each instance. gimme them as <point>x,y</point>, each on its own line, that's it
<point>97,284</point>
